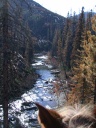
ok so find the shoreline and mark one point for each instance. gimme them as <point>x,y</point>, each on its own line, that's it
<point>25,86</point>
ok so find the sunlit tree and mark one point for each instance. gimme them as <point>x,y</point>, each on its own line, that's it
<point>84,78</point>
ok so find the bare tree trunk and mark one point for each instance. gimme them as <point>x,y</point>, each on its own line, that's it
<point>5,63</point>
<point>83,93</point>
<point>95,93</point>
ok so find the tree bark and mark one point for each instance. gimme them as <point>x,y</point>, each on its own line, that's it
<point>95,93</point>
<point>5,63</point>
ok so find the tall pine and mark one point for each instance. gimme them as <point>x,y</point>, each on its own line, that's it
<point>84,72</point>
<point>78,37</point>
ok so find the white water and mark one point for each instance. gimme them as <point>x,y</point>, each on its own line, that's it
<point>41,92</point>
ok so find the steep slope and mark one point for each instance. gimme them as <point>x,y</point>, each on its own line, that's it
<point>42,21</point>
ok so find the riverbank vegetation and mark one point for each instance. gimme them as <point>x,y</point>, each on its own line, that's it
<point>16,53</point>
<point>74,49</point>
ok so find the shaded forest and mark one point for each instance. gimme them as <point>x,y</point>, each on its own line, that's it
<point>70,41</point>
<point>16,53</point>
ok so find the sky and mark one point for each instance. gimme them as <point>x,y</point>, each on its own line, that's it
<point>63,6</point>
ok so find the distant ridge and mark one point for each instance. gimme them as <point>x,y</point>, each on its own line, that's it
<point>42,21</point>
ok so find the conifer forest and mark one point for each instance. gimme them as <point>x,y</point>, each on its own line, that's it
<point>27,29</point>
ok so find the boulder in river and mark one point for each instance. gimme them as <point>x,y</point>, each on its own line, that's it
<point>29,108</point>
<point>55,71</point>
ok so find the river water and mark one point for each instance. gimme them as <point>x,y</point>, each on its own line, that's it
<point>23,110</point>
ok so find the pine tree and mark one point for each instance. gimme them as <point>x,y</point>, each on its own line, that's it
<point>6,59</point>
<point>55,43</point>
<point>84,78</point>
<point>63,46</point>
<point>78,37</point>
<point>69,41</point>
<point>92,44</point>
<point>65,31</point>
<point>88,21</point>
<point>12,34</point>
<point>66,50</point>
<point>59,52</point>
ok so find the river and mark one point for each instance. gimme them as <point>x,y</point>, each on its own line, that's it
<point>23,111</point>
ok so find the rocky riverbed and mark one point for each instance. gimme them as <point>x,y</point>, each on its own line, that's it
<point>23,112</point>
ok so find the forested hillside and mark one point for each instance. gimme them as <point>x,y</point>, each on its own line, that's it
<point>75,50</point>
<point>16,54</point>
<point>42,23</point>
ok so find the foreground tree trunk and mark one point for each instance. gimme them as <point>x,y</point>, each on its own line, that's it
<point>5,63</point>
<point>95,93</point>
